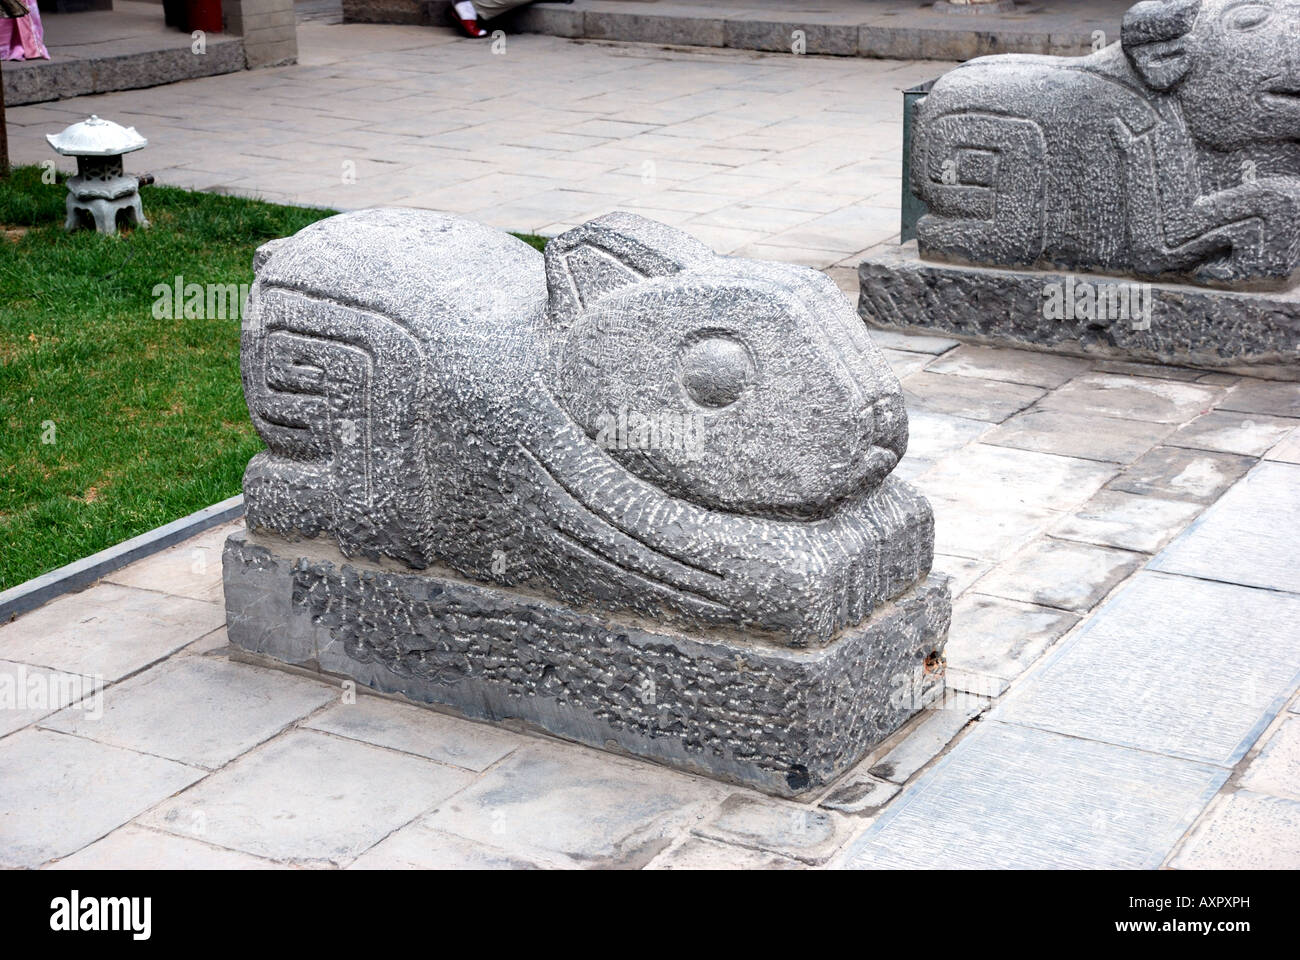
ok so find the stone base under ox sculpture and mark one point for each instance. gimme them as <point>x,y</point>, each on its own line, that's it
<point>779,719</point>
<point>1256,333</point>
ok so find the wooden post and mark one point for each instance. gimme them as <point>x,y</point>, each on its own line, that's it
<point>4,130</point>
<point>9,10</point>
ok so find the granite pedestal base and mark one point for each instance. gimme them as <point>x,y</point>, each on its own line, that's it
<point>1087,315</point>
<point>724,704</point>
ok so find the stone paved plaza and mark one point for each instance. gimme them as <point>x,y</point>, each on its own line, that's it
<point>1124,657</point>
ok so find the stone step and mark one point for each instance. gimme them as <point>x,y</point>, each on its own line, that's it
<point>891,29</point>
<point>128,63</point>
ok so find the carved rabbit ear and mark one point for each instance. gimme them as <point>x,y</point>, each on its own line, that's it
<point>1154,36</point>
<point>607,253</point>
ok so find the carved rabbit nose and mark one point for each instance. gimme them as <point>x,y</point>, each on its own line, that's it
<point>716,370</point>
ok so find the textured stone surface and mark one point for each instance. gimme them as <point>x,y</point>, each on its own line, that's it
<point>1249,434</point>
<point>398,726</point>
<point>107,631</point>
<point>1127,521</point>
<point>1078,435</point>
<point>1276,770</point>
<point>576,807</point>
<point>927,740</point>
<point>1011,366</point>
<point>1170,665</point>
<point>307,796</point>
<point>418,847</point>
<point>1136,398</point>
<point>933,436</point>
<point>671,441</point>
<point>1193,326</point>
<point>697,853</point>
<point>993,640</point>
<point>1259,396</point>
<point>801,832</point>
<point>29,693</point>
<point>1176,473</point>
<point>1268,501</point>
<point>1011,797</point>
<point>60,793</point>
<point>782,719</point>
<point>1244,831</point>
<point>967,396</point>
<point>1168,154</point>
<point>1061,574</point>
<point>860,793</point>
<point>1287,450</point>
<point>133,847</point>
<point>199,711</point>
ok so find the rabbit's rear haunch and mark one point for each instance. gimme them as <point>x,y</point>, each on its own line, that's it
<point>630,422</point>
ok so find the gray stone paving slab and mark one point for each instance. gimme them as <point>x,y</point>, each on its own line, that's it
<point>1133,398</point>
<point>1011,366</point>
<point>1276,770</point>
<point>418,847</point>
<point>860,793</point>
<point>961,571</point>
<point>1077,435</point>
<point>308,796</point>
<point>990,500</point>
<point>697,853</point>
<point>1287,450</point>
<point>1177,473</point>
<point>933,436</point>
<point>1266,397</point>
<point>904,363</point>
<point>134,847</point>
<point>107,631</point>
<point>797,831</point>
<point>184,570</point>
<point>1011,797</point>
<point>916,342</point>
<point>968,397</point>
<point>577,807</point>
<point>197,710</point>
<point>1249,434</point>
<point>993,640</point>
<point>418,730</point>
<point>1248,537</point>
<point>1127,521</point>
<point>60,793</point>
<point>1171,665</point>
<point>926,740</point>
<point>1062,574</point>
<point>29,693</point>
<point>1159,371</point>
<point>1244,831</point>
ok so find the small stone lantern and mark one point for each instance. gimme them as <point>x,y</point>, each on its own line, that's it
<point>100,189</point>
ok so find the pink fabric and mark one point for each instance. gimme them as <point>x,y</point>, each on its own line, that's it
<point>21,39</point>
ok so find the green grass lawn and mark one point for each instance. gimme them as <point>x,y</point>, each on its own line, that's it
<point>114,421</point>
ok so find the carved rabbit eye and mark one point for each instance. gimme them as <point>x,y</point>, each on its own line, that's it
<point>715,369</point>
<point>1247,16</point>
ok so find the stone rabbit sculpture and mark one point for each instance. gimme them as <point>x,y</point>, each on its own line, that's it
<point>436,393</point>
<point>1172,154</point>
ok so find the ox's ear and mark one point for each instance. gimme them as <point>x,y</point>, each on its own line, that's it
<point>610,252</point>
<point>1154,36</point>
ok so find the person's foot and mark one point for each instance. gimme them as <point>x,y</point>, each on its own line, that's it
<point>467,17</point>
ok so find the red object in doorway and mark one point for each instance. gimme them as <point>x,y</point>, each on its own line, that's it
<point>203,15</point>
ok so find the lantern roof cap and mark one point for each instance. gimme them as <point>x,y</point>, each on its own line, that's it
<point>96,137</point>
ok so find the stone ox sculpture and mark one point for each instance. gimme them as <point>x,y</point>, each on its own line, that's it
<point>1171,156</point>
<point>475,491</point>
<point>1176,151</point>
